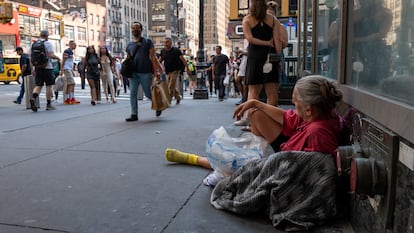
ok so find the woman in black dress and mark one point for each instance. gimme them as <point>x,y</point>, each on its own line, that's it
<point>262,32</point>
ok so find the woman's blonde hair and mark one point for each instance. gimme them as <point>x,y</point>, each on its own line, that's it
<point>319,92</point>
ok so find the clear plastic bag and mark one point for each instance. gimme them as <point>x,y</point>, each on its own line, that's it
<point>227,153</point>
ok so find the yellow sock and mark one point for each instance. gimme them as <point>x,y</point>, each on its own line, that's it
<point>177,156</point>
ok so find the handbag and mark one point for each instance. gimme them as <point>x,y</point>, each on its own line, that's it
<point>127,66</point>
<point>274,58</point>
<point>267,66</point>
<point>159,96</point>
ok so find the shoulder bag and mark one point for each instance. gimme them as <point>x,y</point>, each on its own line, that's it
<point>127,66</point>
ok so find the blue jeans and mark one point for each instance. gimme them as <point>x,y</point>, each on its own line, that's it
<point>21,94</point>
<point>145,79</point>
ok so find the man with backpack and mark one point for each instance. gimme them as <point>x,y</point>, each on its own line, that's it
<point>42,52</point>
<point>26,69</point>
<point>173,62</point>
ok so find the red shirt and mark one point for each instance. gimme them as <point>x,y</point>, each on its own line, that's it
<point>320,135</point>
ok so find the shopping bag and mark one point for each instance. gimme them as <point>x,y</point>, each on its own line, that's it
<point>159,96</point>
<point>227,153</point>
<point>226,80</point>
<point>59,83</point>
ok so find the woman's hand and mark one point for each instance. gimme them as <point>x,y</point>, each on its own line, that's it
<point>242,108</point>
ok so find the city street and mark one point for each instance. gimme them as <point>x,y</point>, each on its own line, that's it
<point>83,169</point>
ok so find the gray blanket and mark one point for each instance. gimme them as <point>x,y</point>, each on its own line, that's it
<point>295,189</point>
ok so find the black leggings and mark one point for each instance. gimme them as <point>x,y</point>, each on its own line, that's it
<point>278,141</point>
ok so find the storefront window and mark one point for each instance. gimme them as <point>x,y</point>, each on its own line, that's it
<point>243,8</point>
<point>69,32</point>
<point>383,48</point>
<point>81,34</point>
<point>52,26</point>
<point>31,25</point>
<point>328,38</point>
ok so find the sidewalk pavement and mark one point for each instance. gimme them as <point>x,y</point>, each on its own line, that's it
<point>83,169</point>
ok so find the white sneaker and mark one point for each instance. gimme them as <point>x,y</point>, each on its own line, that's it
<point>213,178</point>
<point>242,122</point>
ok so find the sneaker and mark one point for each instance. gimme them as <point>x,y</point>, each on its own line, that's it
<point>50,107</point>
<point>242,122</point>
<point>74,101</point>
<point>67,101</point>
<point>132,118</point>
<point>33,105</point>
<point>213,178</point>
<point>17,102</point>
<point>246,128</point>
<point>158,113</point>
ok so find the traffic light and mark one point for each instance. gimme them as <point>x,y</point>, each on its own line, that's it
<point>6,11</point>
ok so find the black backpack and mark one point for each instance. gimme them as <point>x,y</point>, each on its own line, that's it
<point>39,56</point>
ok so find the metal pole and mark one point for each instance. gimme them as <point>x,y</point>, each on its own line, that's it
<point>201,91</point>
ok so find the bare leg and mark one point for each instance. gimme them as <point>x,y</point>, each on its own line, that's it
<point>93,89</point>
<point>262,125</point>
<point>177,156</point>
<point>254,91</point>
<point>272,93</point>
<point>203,162</point>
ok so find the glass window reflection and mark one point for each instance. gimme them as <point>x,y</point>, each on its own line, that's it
<point>328,38</point>
<point>383,48</point>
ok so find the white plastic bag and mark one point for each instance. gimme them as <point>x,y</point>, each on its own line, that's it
<point>226,80</point>
<point>226,153</point>
<point>59,82</point>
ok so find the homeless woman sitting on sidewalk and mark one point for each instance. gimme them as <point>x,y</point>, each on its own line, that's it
<point>296,186</point>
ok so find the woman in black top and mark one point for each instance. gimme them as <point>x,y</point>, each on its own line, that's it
<point>262,32</point>
<point>90,66</point>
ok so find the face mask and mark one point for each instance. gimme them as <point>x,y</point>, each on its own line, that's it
<point>136,33</point>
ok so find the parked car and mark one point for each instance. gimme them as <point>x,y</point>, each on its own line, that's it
<point>11,71</point>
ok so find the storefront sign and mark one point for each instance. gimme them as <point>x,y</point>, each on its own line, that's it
<point>235,30</point>
<point>29,10</point>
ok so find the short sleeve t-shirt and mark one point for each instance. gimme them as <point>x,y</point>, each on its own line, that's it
<point>142,58</point>
<point>320,135</point>
<point>171,58</point>
<point>68,54</point>
<point>220,63</point>
<point>49,49</point>
<point>25,60</point>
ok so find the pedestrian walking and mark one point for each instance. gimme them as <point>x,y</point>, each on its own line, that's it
<point>81,74</point>
<point>67,71</point>
<point>26,69</point>
<point>221,68</point>
<point>146,65</point>
<point>173,62</point>
<point>192,78</point>
<point>61,87</point>
<point>41,54</point>
<point>107,73</point>
<point>90,67</point>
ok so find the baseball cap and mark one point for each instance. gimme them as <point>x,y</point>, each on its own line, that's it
<point>44,33</point>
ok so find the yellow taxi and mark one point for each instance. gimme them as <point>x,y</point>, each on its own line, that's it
<point>11,71</point>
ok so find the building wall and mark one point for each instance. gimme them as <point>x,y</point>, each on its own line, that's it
<point>191,25</point>
<point>216,18</point>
